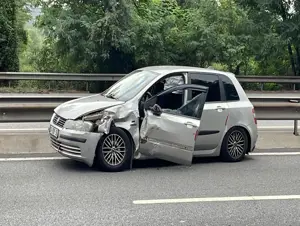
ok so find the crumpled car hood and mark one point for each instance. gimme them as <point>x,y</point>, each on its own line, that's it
<point>78,107</point>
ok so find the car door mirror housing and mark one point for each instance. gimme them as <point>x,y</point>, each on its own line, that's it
<point>156,110</point>
<point>150,103</point>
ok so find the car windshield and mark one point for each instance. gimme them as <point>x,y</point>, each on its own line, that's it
<point>129,86</point>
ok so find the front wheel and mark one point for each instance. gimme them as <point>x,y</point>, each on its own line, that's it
<point>114,151</point>
<point>235,145</point>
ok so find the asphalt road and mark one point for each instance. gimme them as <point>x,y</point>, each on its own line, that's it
<point>65,192</point>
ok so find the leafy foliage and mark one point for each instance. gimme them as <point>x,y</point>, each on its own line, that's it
<point>117,36</point>
<point>8,36</point>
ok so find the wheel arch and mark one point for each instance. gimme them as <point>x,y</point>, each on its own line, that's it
<point>129,136</point>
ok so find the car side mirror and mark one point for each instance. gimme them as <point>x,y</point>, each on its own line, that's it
<point>156,110</point>
<point>150,103</point>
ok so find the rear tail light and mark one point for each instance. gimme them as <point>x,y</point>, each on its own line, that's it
<point>254,116</point>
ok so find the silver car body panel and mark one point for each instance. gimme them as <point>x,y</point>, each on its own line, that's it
<point>76,145</point>
<point>212,130</point>
<point>170,135</point>
<point>74,109</point>
<point>168,138</point>
<point>126,115</point>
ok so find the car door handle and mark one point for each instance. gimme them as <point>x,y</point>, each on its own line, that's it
<point>190,124</point>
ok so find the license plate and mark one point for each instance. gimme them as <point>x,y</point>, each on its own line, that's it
<point>53,131</point>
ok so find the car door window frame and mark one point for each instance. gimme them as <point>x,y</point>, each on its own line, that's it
<point>222,91</point>
<point>189,86</point>
<point>184,74</point>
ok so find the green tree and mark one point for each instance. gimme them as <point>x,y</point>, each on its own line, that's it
<point>8,36</point>
<point>89,37</point>
<point>283,17</point>
<point>117,35</point>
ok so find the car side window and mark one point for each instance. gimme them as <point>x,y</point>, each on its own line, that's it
<point>190,109</point>
<point>230,90</point>
<point>209,80</point>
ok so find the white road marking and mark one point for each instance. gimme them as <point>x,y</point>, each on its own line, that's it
<point>273,153</point>
<point>11,159</point>
<point>25,129</point>
<point>276,127</point>
<point>217,199</point>
<point>31,159</point>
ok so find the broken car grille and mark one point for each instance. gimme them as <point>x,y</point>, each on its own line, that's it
<point>58,146</point>
<point>59,121</point>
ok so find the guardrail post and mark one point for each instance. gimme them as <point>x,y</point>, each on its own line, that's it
<point>261,87</point>
<point>296,128</point>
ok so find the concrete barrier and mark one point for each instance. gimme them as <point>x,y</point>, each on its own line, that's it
<point>28,141</point>
<point>24,141</point>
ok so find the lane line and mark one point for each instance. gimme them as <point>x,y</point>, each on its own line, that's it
<point>274,153</point>
<point>25,129</point>
<point>31,159</point>
<point>276,127</point>
<point>12,159</point>
<point>216,199</point>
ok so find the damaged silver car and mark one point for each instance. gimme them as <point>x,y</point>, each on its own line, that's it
<point>172,113</point>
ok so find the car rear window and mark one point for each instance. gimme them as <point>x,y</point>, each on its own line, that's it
<point>230,90</point>
<point>208,80</point>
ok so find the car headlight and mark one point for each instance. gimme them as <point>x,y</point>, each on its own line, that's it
<point>102,120</point>
<point>98,117</point>
<point>94,117</point>
<point>79,125</point>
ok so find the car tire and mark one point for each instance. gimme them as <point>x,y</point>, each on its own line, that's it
<point>235,145</point>
<point>114,151</point>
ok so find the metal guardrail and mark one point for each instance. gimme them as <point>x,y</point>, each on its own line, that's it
<point>39,108</point>
<point>59,76</point>
<point>36,108</point>
<point>269,79</point>
<point>116,77</point>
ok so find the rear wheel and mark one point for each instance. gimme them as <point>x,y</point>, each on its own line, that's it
<point>235,145</point>
<point>114,151</point>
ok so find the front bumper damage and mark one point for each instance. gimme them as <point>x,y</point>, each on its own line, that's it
<point>79,139</point>
<point>77,145</point>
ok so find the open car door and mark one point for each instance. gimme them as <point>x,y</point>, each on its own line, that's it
<point>171,134</point>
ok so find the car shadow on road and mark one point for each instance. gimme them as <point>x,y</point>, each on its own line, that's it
<point>72,165</point>
<point>157,163</point>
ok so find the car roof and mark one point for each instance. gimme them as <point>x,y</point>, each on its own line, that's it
<point>163,69</point>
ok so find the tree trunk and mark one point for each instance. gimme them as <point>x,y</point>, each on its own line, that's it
<point>292,58</point>
<point>238,69</point>
<point>298,59</point>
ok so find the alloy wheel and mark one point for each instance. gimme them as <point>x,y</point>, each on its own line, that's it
<point>236,144</point>
<point>113,149</point>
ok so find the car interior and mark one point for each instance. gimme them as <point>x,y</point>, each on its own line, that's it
<point>171,101</point>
